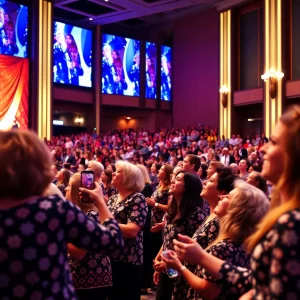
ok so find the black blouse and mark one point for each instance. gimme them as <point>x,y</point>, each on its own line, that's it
<point>204,235</point>
<point>275,263</point>
<point>160,197</point>
<point>132,209</point>
<point>33,247</point>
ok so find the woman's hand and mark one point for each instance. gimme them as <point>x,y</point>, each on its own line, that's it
<point>159,266</point>
<point>95,195</point>
<point>150,201</point>
<point>156,277</point>
<point>157,227</point>
<point>248,296</point>
<point>188,250</point>
<point>172,261</point>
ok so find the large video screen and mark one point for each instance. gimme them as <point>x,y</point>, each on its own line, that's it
<point>151,56</point>
<point>72,55</point>
<point>120,66</point>
<point>166,81</point>
<point>13,29</point>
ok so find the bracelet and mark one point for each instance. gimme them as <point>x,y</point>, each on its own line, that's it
<point>156,204</point>
<point>182,268</point>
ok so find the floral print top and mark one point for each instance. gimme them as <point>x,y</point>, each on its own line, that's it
<point>110,191</point>
<point>206,233</point>
<point>132,209</point>
<point>226,250</point>
<point>185,226</point>
<point>33,247</point>
<point>161,197</point>
<point>94,270</point>
<point>275,263</point>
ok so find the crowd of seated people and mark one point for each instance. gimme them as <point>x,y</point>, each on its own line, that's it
<point>182,211</point>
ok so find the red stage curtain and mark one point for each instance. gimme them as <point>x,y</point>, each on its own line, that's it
<point>14,85</point>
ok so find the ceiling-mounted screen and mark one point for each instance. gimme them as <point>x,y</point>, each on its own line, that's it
<point>120,66</point>
<point>13,29</point>
<point>151,56</point>
<point>72,55</point>
<point>166,80</point>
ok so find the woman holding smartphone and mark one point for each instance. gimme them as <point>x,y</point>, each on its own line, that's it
<point>35,229</point>
<point>129,208</point>
<point>91,272</point>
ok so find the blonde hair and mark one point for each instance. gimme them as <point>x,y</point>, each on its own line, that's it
<point>133,179</point>
<point>247,207</point>
<point>145,173</point>
<point>289,179</point>
<point>75,183</point>
<point>97,167</point>
<point>25,164</point>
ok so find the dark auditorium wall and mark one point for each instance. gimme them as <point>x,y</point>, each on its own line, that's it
<point>196,70</point>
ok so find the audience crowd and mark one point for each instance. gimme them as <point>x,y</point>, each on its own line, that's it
<point>182,211</point>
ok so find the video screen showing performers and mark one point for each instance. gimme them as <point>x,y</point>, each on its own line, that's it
<point>72,55</point>
<point>13,29</point>
<point>150,88</point>
<point>166,79</point>
<point>120,66</point>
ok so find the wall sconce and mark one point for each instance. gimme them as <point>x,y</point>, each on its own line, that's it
<point>128,118</point>
<point>79,121</point>
<point>273,77</point>
<point>224,92</point>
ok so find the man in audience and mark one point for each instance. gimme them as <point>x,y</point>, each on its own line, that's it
<point>191,164</point>
<point>69,158</point>
<point>226,159</point>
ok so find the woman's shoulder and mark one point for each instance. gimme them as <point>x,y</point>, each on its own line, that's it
<point>290,220</point>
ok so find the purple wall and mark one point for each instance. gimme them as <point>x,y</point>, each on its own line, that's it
<point>196,70</point>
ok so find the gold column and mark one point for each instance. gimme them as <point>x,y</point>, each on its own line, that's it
<point>45,39</point>
<point>225,71</point>
<point>273,60</point>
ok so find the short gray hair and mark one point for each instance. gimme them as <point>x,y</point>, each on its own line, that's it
<point>97,167</point>
<point>133,178</point>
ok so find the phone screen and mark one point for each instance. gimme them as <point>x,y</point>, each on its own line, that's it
<point>87,182</point>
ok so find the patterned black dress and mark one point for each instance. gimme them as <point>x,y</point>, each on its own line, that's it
<point>226,250</point>
<point>94,270</point>
<point>275,263</point>
<point>204,235</point>
<point>186,226</point>
<point>127,267</point>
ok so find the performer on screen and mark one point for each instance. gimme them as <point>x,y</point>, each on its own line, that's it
<point>108,71</point>
<point>119,78</point>
<point>74,62</point>
<point>150,79</point>
<point>60,58</point>
<point>9,45</point>
<point>165,79</point>
<point>135,74</point>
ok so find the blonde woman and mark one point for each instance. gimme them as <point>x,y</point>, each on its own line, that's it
<point>91,272</point>
<point>274,246</point>
<point>238,215</point>
<point>63,177</point>
<point>130,210</point>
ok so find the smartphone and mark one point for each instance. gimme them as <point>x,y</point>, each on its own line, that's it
<point>87,182</point>
<point>171,272</point>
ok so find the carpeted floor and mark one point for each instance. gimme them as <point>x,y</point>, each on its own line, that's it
<point>150,296</point>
